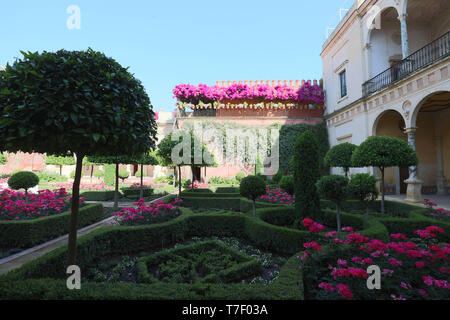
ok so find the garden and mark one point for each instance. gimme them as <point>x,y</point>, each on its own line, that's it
<point>301,234</point>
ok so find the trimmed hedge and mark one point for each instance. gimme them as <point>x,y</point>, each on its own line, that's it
<point>245,265</point>
<point>209,195</point>
<point>227,190</point>
<point>228,203</point>
<point>99,195</point>
<point>246,205</point>
<point>28,233</point>
<point>135,192</point>
<point>392,208</point>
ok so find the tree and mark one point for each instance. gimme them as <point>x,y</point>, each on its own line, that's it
<point>252,187</point>
<point>149,159</point>
<point>73,101</point>
<point>165,153</point>
<point>3,159</point>
<point>363,187</point>
<point>23,180</point>
<point>334,188</point>
<point>306,166</point>
<point>384,152</point>
<point>340,156</point>
<point>115,161</point>
<point>287,184</point>
<point>60,161</point>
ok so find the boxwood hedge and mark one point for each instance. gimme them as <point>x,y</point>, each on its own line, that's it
<point>27,233</point>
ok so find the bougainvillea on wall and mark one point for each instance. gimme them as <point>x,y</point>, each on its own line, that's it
<point>203,94</point>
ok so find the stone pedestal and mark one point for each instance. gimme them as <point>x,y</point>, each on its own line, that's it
<point>414,191</point>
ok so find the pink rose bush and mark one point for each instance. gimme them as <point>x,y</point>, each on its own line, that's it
<point>277,195</point>
<point>436,213</point>
<point>196,185</point>
<point>417,268</point>
<point>13,205</point>
<point>306,94</point>
<point>143,214</point>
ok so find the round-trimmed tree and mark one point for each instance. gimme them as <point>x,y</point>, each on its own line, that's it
<point>383,152</point>
<point>334,188</point>
<point>23,180</point>
<point>363,187</point>
<point>73,101</point>
<point>287,184</point>
<point>306,166</point>
<point>252,187</point>
<point>340,156</point>
<point>60,161</point>
<point>3,159</point>
<point>148,159</point>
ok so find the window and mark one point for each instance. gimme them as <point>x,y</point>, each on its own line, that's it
<point>343,82</point>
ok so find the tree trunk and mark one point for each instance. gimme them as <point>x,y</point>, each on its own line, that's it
<point>92,172</point>
<point>367,211</point>
<point>175,176</point>
<point>60,174</point>
<point>141,193</point>
<point>116,192</point>
<point>72,253</point>
<point>338,218</point>
<point>382,190</point>
<point>179,181</point>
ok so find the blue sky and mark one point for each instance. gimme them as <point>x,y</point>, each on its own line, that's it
<point>170,42</point>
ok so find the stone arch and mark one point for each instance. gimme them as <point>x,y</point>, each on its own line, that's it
<point>381,115</point>
<point>414,114</point>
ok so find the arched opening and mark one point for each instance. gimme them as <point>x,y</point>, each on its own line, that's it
<point>385,42</point>
<point>391,123</point>
<point>432,119</point>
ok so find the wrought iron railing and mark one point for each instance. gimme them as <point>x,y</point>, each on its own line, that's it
<point>431,53</point>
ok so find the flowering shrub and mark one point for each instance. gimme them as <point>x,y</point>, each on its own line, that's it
<point>156,212</point>
<point>415,268</point>
<point>306,94</point>
<point>197,185</point>
<point>45,203</point>
<point>438,213</point>
<point>277,195</point>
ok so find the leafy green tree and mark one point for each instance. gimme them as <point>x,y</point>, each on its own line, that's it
<point>23,180</point>
<point>60,161</point>
<point>383,152</point>
<point>363,187</point>
<point>165,153</point>
<point>306,166</point>
<point>334,188</point>
<point>148,159</point>
<point>73,101</point>
<point>3,159</point>
<point>252,187</point>
<point>287,184</point>
<point>340,156</point>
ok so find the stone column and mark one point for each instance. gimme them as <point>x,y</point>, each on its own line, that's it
<point>414,191</point>
<point>440,179</point>
<point>404,32</point>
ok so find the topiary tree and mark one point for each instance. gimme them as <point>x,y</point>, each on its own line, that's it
<point>384,152</point>
<point>148,159</point>
<point>287,184</point>
<point>305,164</point>
<point>23,180</point>
<point>123,174</point>
<point>363,187</point>
<point>3,159</point>
<point>340,156</point>
<point>166,146</point>
<point>73,101</point>
<point>60,161</point>
<point>277,177</point>
<point>334,188</point>
<point>240,175</point>
<point>252,187</point>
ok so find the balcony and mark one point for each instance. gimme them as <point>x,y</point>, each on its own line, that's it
<point>433,52</point>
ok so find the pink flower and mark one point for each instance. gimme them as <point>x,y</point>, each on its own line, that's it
<point>344,291</point>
